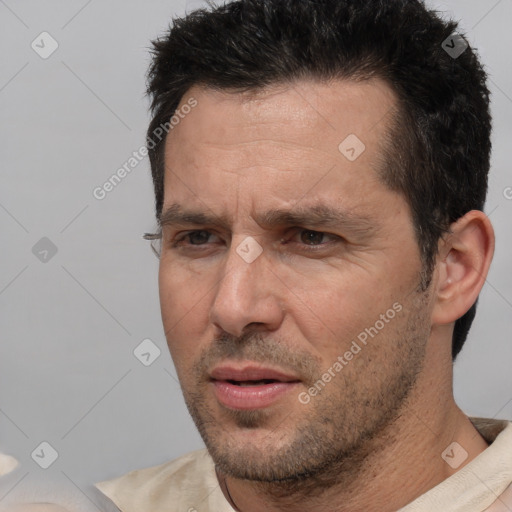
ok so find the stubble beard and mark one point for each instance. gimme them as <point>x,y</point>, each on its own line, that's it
<point>348,422</point>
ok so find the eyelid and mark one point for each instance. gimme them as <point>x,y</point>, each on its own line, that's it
<point>180,238</point>
<point>298,229</point>
<point>182,235</point>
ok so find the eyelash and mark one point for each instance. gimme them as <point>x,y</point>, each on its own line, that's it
<point>179,242</point>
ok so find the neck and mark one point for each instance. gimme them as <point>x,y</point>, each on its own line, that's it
<point>388,472</point>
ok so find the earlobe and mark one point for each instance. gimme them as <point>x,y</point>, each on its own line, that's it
<point>465,255</point>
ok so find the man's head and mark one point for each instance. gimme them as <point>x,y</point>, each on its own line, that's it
<point>438,142</point>
<point>321,153</point>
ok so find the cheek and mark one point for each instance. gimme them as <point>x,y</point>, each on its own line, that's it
<point>181,289</point>
<point>332,307</point>
<point>184,309</point>
<point>343,317</point>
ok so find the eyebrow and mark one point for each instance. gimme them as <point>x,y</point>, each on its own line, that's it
<point>176,215</point>
<point>315,216</point>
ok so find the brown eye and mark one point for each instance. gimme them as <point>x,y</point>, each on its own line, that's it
<point>312,237</point>
<point>198,237</point>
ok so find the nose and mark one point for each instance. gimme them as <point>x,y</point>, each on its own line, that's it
<point>247,293</point>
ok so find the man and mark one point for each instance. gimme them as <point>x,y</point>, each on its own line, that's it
<point>320,193</point>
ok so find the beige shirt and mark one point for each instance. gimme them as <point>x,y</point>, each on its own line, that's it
<point>189,483</point>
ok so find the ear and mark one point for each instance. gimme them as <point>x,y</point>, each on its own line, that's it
<point>464,258</point>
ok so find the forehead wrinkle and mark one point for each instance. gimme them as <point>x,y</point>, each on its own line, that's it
<point>315,216</point>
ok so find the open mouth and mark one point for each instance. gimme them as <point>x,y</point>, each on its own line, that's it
<point>247,383</point>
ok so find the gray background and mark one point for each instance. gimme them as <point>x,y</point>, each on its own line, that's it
<point>69,325</point>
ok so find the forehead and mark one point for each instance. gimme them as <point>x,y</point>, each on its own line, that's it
<point>289,111</point>
<point>289,135</point>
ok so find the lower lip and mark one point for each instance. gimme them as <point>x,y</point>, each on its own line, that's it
<point>250,397</point>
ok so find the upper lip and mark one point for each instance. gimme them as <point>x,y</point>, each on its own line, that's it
<point>250,372</point>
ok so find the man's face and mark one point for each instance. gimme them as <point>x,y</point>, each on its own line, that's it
<point>283,254</point>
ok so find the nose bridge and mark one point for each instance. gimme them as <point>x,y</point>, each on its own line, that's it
<point>244,294</point>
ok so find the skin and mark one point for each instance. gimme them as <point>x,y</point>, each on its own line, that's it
<point>373,438</point>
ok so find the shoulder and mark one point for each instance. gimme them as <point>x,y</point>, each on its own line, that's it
<point>185,481</point>
<point>496,460</point>
<point>503,503</point>
<point>490,429</point>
